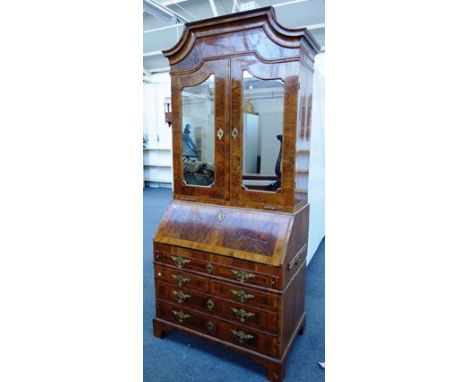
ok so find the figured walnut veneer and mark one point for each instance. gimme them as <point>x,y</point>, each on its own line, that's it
<point>229,262</point>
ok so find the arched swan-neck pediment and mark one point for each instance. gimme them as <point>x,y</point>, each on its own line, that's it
<point>256,31</point>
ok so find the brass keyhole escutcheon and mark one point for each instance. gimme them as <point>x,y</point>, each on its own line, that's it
<point>210,304</point>
<point>220,134</point>
<point>209,325</point>
<point>209,267</point>
<point>235,133</point>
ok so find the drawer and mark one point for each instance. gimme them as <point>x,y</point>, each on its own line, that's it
<point>187,317</point>
<point>204,265</point>
<point>182,279</point>
<point>184,297</point>
<point>245,315</point>
<point>242,275</point>
<point>245,296</point>
<point>248,338</point>
<point>183,262</point>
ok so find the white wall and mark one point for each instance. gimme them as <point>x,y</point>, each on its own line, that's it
<point>154,124</point>
<point>317,160</point>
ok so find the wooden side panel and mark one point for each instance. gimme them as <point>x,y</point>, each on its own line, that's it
<point>304,121</point>
<point>292,307</point>
<point>297,244</point>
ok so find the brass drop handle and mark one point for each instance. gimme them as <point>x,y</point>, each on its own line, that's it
<point>180,296</point>
<point>243,276</point>
<point>180,316</point>
<point>180,280</point>
<point>242,295</point>
<point>179,261</point>
<point>210,304</point>
<point>242,336</point>
<point>242,314</point>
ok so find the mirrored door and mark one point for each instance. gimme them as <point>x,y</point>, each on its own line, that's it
<point>200,123</point>
<point>263,126</point>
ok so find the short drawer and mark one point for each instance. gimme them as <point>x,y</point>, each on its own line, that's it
<point>245,315</point>
<point>243,276</point>
<point>187,317</point>
<point>248,338</point>
<point>183,262</point>
<point>245,296</point>
<point>182,279</point>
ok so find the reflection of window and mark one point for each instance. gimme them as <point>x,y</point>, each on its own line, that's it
<point>263,102</point>
<point>198,133</point>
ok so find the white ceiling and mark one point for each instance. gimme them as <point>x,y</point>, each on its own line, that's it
<point>161,32</point>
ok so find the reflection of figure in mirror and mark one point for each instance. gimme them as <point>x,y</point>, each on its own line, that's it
<point>277,184</point>
<point>262,132</point>
<point>196,172</point>
<point>198,139</point>
<point>189,148</point>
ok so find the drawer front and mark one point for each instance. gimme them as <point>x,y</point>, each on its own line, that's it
<point>248,338</point>
<point>187,317</point>
<point>243,276</point>
<point>187,262</point>
<point>184,297</point>
<point>183,262</point>
<point>245,315</point>
<point>245,296</point>
<point>182,279</point>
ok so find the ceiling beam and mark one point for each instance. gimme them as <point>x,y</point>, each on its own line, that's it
<point>234,6</point>
<point>162,28</point>
<point>154,53</point>
<point>315,26</point>
<point>171,2</point>
<point>163,10</point>
<point>288,3</point>
<point>160,70</point>
<point>213,8</point>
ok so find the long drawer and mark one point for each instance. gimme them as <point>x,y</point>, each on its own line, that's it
<point>227,331</point>
<point>245,315</point>
<point>242,275</point>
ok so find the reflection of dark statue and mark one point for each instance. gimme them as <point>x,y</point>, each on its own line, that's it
<point>189,148</point>
<point>277,183</point>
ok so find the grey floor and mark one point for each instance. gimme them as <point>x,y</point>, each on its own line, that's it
<point>180,358</point>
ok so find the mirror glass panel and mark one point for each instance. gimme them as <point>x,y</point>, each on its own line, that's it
<point>198,144</point>
<point>263,102</point>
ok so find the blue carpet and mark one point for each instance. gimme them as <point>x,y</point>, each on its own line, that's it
<point>181,358</point>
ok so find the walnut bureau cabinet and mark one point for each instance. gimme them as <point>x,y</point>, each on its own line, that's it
<point>230,251</point>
